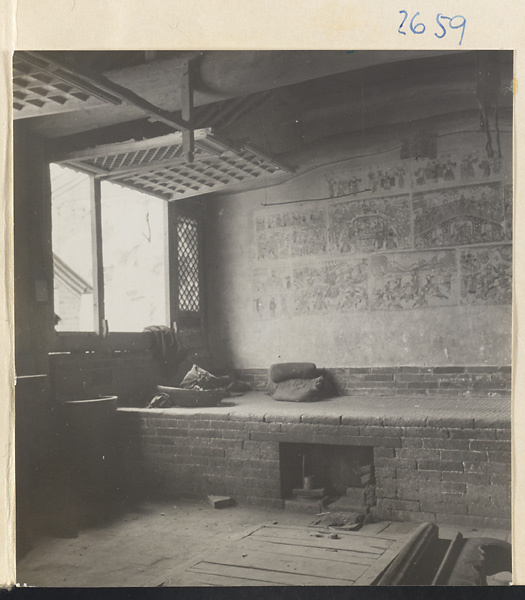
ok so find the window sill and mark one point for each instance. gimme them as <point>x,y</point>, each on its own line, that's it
<point>72,341</point>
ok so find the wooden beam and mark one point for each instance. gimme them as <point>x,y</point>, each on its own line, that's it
<point>117,93</point>
<point>173,263</point>
<point>410,557</point>
<point>139,129</point>
<point>127,146</point>
<point>67,75</point>
<point>98,270</point>
<point>188,140</point>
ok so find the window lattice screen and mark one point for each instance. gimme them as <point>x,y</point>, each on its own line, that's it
<point>188,253</point>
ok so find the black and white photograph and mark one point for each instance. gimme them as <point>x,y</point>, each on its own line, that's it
<point>263,317</point>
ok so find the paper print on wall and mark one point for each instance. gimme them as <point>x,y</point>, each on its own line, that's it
<point>486,275</point>
<point>370,225</point>
<point>329,287</point>
<point>413,280</point>
<point>375,179</point>
<point>272,293</point>
<point>476,166</point>
<point>455,167</point>
<point>459,216</point>
<point>289,234</point>
<point>443,169</point>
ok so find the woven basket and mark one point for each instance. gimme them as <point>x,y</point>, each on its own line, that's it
<point>192,398</point>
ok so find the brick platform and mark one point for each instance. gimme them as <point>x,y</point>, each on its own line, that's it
<point>444,459</point>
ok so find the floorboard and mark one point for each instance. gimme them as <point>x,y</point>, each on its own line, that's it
<point>300,556</point>
<point>331,554</point>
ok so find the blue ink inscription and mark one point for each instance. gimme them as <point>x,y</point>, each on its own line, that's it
<point>443,22</point>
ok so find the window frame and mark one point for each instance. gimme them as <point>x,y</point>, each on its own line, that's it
<point>102,337</point>
<point>185,319</point>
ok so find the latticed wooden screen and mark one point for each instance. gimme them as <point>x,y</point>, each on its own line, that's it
<point>188,254</point>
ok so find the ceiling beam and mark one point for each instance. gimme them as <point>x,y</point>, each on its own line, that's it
<point>186,91</point>
<point>101,150</point>
<point>117,94</point>
<point>68,76</point>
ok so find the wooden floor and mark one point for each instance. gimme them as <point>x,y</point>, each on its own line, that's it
<point>294,556</point>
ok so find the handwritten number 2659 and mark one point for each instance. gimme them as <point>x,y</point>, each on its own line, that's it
<point>457,22</point>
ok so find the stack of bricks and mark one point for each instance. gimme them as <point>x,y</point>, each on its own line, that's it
<point>453,470</point>
<point>385,381</point>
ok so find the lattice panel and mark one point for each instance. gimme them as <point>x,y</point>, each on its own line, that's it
<point>39,91</point>
<point>157,167</point>
<point>188,258</point>
<point>198,178</point>
<point>138,158</point>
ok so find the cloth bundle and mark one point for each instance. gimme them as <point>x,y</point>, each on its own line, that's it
<point>210,388</point>
<point>296,382</point>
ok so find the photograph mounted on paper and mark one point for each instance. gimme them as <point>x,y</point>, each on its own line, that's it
<point>263,306</point>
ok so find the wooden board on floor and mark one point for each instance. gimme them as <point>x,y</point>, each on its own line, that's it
<point>299,556</point>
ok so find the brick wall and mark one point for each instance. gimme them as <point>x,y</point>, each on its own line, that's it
<point>386,381</point>
<point>131,375</point>
<point>444,470</point>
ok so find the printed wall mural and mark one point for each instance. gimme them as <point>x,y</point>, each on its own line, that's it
<point>459,216</point>
<point>413,280</point>
<point>444,168</point>
<point>289,234</point>
<point>336,286</point>
<point>272,293</point>
<point>454,167</point>
<point>400,176</point>
<point>452,213</point>
<point>374,179</point>
<point>486,275</point>
<point>370,225</point>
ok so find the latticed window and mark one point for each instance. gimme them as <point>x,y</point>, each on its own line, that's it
<point>188,259</point>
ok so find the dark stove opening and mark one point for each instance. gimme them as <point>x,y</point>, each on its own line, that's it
<point>325,472</point>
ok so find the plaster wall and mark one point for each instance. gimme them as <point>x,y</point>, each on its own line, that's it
<point>456,321</point>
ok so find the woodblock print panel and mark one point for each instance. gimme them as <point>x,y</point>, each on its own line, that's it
<point>454,166</point>
<point>458,216</point>
<point>486,275</point>
<point>332,286</point>
<point>290,234</point>
<point>370,225</point>
<point>413,280</point>
<point>272,293</point>
<point>374,179</point>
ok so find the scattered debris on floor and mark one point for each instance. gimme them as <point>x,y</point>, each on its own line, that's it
<point>220,501</point>
<point>346,521</point>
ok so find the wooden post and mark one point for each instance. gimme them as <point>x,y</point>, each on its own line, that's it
<point>172,263</point>
<point>188,138</point>
<point>98,270</point>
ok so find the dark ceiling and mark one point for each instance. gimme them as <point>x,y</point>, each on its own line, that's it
<point>284,103</point>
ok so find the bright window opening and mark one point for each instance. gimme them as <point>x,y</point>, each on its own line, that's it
<point>72,250</point>
<point>133,251</point>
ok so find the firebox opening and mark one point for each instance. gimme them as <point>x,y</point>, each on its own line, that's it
<point>327,472</point>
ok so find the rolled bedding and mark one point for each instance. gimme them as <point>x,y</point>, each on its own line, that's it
<point>293,370</point>
<point>300,390</point>
<point>296,382</point>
